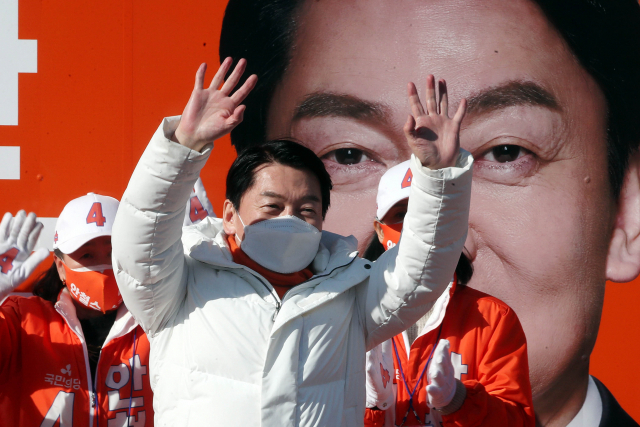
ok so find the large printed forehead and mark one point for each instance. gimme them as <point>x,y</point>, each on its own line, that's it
<point>351,62</point>
<point>370,49</point>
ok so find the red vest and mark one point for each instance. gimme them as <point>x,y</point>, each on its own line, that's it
<point>489,355</point>
<point>44,370</point>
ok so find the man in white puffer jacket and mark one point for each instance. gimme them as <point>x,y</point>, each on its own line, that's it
<point>227,348</point>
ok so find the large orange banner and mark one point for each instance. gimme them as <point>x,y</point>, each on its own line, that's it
<point>83,86</point>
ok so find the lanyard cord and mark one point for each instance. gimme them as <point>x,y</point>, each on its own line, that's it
<point>95,397</point>
<point>133,371</point>
<point>404,380</point>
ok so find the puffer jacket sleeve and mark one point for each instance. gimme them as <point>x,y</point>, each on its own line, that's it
<point>148,258</point>
<point>407,279</point>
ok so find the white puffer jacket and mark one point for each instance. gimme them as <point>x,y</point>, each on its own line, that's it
<point>225,350</point>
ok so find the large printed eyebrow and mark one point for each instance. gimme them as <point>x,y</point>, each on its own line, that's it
<point>326,104</point>
<point>511,94</point>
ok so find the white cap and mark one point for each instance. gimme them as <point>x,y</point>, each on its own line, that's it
<point>84,219</point>
<point>395,185</point>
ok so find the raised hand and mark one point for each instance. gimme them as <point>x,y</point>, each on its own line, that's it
<point>433,137</point>
<point>213,112</point>
<point>18,237</point>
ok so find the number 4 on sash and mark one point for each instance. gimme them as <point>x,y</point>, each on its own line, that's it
<point>95,215</point>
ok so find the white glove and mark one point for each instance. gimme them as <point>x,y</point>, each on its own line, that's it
<point>18,236</point>
<point>379,364</point>
<point>441,376</point>
<point>199,208</point>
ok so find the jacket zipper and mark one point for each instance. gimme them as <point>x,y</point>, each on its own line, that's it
<point>95,406</point>
<point>275,313</point>
<point>95,381</point>
<point>279,304</point>
<point>272,291</point>
<point>92,394</point>
<point>93,398</point>
<point>90,382</point>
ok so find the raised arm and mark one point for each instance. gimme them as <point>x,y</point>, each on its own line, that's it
<point>148,258</point>
<point>407,280</point>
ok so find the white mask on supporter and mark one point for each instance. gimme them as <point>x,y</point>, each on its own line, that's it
<point>285,244</point>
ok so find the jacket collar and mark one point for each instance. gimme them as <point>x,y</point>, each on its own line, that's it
<point>205,242</point>
<point>123,324</point>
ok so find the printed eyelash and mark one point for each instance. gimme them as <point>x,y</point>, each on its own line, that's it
<point>525,166</point>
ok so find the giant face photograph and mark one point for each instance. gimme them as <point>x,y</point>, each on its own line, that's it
<point>553,213</point>
<point>547,93</point>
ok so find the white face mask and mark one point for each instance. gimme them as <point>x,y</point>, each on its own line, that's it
<point>285,244</point>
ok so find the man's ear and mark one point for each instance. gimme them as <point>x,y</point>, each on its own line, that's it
<point>228,218</point>
<point>379,230</point>
<point>623,260</point>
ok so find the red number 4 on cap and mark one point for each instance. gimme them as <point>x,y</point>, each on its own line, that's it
<point>406,181</point>
<point>95,215</point>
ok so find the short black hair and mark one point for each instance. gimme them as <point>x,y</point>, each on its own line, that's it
<point>241,175</point>
<point>604,35</point>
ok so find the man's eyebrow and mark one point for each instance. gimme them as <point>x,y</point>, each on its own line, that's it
<point>272,194</point>
<point>511,94</point>
<point>327,104</point>
<point>311,197</point>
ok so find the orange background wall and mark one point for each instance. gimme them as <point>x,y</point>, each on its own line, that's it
<point>109,71</point>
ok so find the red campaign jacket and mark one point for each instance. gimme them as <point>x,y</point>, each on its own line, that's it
<point>489,355</point>
<point>45,375</point>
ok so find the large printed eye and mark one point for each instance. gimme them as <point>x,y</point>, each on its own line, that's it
<point>505,153</point>
<point>354,167</point>
<point>354,153</point>
<point>347,156</point>
<point>504,163</point>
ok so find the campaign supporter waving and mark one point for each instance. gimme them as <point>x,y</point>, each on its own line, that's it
<point>72,355</point>
<point>464,363</point>
<point>260,317</point>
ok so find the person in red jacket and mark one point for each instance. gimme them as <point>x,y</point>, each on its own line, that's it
<point>464,363</point>
<point>72,355</point>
